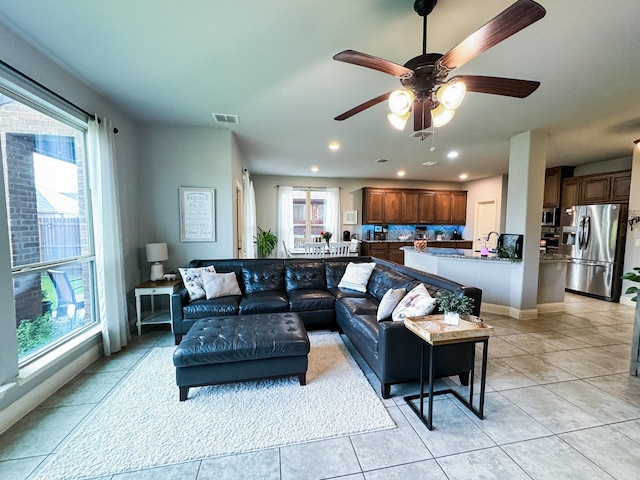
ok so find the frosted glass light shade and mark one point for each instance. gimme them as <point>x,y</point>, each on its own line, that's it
<point>441,116</point>
<point>398,121</point>
<point>451,94</point>
<point>400,101</point>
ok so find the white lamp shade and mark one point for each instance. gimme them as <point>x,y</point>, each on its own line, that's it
<point>398,121</point>
<point>441,116</point>
<point>157,252</point>
<point>451,94</point>
<point>400,101</point>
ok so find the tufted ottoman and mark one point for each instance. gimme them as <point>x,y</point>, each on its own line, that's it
<point>241,347</point>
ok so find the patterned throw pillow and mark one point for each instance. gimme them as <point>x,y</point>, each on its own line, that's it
<point>416,303</point>
<point>192,279</point>
<point>220,284</point>
<point>389,302</point>
<point>356,276</point>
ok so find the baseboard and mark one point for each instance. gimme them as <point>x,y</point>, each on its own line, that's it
<point>510,311</point>
<point>25,404</point>
<point>551,307</point>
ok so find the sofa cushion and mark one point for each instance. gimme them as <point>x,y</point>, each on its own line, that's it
<point>263,277</point>
<point>334,271</point>
<point>382,279</point>
<point>310,299</point>
<point>212,308</point>
<point>264,302</point>
<point>192,279</point>
<point>304,275</point>
<point>416,303</point>
<point>218,285</point>
<point>389,302</point>
<point>356,276</point>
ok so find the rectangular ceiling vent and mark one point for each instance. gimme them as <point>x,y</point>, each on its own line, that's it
<point>225,118</point>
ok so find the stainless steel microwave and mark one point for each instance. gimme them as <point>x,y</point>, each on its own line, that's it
<point>550,217</point>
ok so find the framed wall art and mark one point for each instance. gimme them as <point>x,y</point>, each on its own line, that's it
<point>349,217</point>
<point>197,214</point>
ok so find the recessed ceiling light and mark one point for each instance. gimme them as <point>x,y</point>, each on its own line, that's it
<point>463,176</point>
<point>314,168</point>
<point>429,163</point>
<point>333,146</point>
<point>452,154</point>
<point>401,173</point>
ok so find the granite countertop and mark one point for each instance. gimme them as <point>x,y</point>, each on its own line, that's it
<point>458,253</point>
<point>553,257</point>
<point>411,240</point>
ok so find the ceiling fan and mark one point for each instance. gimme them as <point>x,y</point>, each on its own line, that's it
<point>427,93</point>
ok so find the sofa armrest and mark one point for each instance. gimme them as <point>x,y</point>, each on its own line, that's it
<point>178,300</point>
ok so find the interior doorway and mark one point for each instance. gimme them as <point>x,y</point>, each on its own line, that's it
<point>485,222</point>
<point>239,220</point>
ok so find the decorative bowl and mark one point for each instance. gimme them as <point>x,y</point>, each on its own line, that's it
<point>403,237</point>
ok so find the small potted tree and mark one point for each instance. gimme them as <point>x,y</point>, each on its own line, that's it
<point>454,306</point>
<point>265,242</point>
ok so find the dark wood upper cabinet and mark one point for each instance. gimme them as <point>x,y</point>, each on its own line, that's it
<point>595,190</point>
<point>620,187</point>
<point>442,214</point>
<point>598,188</point>
<point>410,206</point>
<point>426,207</point>
<point>571,192</point>
<point>458,208</point>
<point>373,206</point>
<point>553,185</point>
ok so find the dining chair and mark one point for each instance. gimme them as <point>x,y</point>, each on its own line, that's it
<point>287,252</point>
<point>339,249</point>
<point>314,249</point>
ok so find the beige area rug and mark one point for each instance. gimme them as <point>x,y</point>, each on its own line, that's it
<point>142,424</point>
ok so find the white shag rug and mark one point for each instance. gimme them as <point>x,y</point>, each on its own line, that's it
<point>142,424</point>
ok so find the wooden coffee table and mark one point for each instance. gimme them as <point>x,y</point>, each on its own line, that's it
<point>434,332</point>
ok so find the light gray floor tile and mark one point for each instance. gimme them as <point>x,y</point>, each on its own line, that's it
<point>19,469</point>
<point>537,369</point>
<point>40,432</point>
<point>530,344</point>
<point>426,470</point>
<point>631,429</point>
<point>381,449</point>
<point>85,388</point>
<point>623,386</point>
<point>491,463</point>
<point>551,410</point>
<point>453,431</point>
<point>316,460</point>
<point>604,359</point>
<point>504,422</point>
<point>574,364</point>
<point>614,452</point>
<point>560,340</point>
<point>264,464</point>
<point>596,402</point>
<point>550,459</point>
<point>498,348</point>
<point>501,376</point>
<point>180,471</point>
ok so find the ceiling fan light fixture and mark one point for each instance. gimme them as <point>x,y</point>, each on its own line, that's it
<point>441,115</point>
<point>400,101</point>
<point>451,94</point>
<point>398,121</point>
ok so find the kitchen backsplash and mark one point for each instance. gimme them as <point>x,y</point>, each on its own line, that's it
<point>393,231</point>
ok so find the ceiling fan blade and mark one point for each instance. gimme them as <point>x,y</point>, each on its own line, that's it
<point>515,18</point>
<point>363,106</point>
<point>510,87</point>
<point>369,61</point>
<point>421,115</point>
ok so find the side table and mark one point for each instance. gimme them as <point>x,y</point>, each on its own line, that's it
<point>434,332</point>
<point>152,289</point>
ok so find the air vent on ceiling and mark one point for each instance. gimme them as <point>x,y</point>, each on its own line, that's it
<point>382,160</point>
<point>429,163</point>
<point>224,118</point>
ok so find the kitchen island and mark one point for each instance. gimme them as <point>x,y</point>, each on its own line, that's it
<point>492,274</point>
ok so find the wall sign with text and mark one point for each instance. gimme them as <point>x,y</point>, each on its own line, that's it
<point>197,214</point>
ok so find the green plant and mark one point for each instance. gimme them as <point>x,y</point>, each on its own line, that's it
<point>457,304</point>
<point>633,277</point>
<point>505,251</point>
<point>34,333</point>
<point>265,241</point>
<point>438,232</point>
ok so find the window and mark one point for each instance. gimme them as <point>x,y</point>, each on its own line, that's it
<point>46,195</point>
<point>309,207</point>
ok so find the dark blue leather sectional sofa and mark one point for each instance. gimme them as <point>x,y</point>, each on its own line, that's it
<point>309,287</point>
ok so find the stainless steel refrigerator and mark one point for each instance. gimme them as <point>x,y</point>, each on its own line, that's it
<point>593,238</point>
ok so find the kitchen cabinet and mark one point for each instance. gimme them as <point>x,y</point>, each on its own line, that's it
<point>375,249</point>
<point>597,189</point>
<point>444,244</point>
<point>395,254</point>
<point>553,185</point>
<point>391,206</point>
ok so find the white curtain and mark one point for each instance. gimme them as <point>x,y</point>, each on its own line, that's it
<point>332,213</point>
<point>110,287</point>
<point>249,215</point>
<point>285,219</point>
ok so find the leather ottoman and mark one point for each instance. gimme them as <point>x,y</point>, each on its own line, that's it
<point>241,348</point>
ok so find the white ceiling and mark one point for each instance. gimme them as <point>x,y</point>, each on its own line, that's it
<point>270,63</point>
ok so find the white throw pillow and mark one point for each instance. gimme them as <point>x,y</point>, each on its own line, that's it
<point>192,279</point>
<point>416,303</point>
<point>220,284</point>
<point>389,302</point>
<point>356,276</point>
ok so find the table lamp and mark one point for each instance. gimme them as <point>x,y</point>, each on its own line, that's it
<point>156,253</point>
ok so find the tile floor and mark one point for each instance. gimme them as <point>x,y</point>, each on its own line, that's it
<point>560,404</point>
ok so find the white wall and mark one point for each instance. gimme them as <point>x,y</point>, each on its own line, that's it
<point>174,156</point>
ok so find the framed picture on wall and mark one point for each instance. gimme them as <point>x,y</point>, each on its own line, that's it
<point>197,214</point>
<point>349,217</point>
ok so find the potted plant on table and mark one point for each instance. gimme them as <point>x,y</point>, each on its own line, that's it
<point>453,306</point>
<point>326,236</point>
<point>265,242</point>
